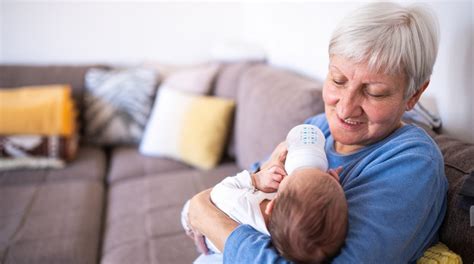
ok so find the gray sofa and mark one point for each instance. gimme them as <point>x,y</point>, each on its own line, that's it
<point>113,205</point>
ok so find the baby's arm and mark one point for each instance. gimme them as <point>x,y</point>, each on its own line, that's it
<point>226,194</point>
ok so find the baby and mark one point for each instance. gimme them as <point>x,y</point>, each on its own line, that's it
<point>306,217</point>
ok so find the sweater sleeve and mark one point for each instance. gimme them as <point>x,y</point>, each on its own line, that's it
<point>247,245</point>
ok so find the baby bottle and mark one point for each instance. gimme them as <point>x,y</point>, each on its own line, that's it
<point>305,148</point>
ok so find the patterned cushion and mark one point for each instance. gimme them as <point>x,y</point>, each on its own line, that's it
<point>188,127</point>
<point>117,104</point>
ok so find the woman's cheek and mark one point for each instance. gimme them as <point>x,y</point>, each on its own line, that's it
<point>330,96</point>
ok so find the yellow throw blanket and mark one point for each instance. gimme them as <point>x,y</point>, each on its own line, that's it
<point>43,110</point>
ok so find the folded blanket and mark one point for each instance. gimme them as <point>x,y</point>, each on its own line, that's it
<point>36,151</point>
<point>39,110</point>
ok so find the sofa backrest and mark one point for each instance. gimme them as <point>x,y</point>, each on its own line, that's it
<point>226,85</point>
<point>455,231</point>
<point>270,101</point>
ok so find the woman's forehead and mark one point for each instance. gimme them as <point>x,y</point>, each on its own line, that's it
<point>351,69</point>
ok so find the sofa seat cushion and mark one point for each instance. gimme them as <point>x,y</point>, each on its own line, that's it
<point>90,164</point>
<point>127,163</point>
<point>143,216</point>
<point>50,221</point>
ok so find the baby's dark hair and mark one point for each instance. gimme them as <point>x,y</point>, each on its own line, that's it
<point>309,220</point>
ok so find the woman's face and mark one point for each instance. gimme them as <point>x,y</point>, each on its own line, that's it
<point>361,106</point>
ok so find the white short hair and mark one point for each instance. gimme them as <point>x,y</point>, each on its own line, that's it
<point>390,38</point>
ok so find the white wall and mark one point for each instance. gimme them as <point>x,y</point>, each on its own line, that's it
<point>294,35</point>
<point>70,31</point>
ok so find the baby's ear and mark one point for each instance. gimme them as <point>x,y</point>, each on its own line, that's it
<point>269,207</point>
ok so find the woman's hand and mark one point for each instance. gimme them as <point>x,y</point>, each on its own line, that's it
<point>335,172</point>
<point>272,171</point>
<point>207,220</point>
<point>199,240</point>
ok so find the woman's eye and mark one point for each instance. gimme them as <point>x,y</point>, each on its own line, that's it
<point>378,96</point>
<point>338,82</point>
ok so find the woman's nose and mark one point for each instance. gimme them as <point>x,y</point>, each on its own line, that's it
<point>349,105</point>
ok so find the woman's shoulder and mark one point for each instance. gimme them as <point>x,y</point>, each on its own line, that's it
<point>413,139</point>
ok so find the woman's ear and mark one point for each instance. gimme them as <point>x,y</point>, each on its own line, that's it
<point>269,207</point>
<point>416,96</point>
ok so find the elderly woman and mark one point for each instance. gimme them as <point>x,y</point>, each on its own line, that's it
<point>381,59</point>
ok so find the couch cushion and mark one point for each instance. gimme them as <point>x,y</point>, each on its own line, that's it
<point>53,216</point>
<point>227,83</point>
<point>90,164</point>
<point>50,221</point>
<point>270,102</point>
<point>143,216</point>
<point>455,231</point>
<point>127,163</point>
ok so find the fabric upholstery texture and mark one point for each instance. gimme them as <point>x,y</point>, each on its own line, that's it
<point>455,231</point>
<point>142,222</point>
<point>270,102</point>
<point>197,80</point>
<point>187,127</point>
<point>127,163</point>
<point>117,104</point>
<point>226,86</point>
<point>53,216</point>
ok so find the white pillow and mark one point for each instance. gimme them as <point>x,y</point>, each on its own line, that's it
<point>188,127</point>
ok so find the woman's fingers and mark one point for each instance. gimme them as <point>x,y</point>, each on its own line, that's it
<point>200,243</point>
<point>335,172</point>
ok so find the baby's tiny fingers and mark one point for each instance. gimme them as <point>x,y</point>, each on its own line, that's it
<point>277,177</point>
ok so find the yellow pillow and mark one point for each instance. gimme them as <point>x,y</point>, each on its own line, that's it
<point>439,254</point>
<point>40,110</point>
<point>188,127</point>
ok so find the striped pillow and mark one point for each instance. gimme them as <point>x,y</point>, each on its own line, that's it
<point>117,104</point>
<point>187,127</point>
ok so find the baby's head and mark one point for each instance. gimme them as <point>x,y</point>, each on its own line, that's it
<point>308,221</point>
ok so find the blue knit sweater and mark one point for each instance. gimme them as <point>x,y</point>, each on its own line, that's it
<point>396,192</point>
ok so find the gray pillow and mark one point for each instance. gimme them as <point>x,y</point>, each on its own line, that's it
<point>117,104</point>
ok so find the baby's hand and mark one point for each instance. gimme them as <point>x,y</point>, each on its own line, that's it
<point>268,180</point>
